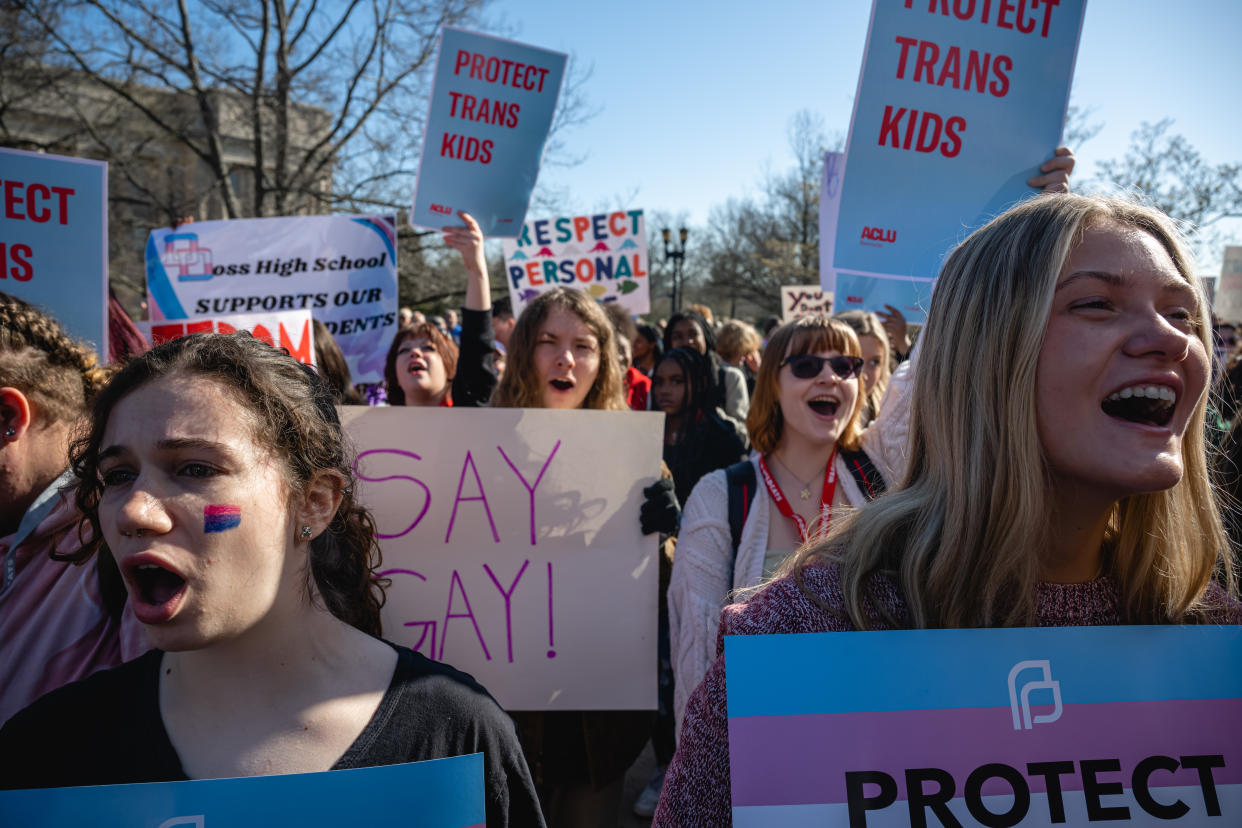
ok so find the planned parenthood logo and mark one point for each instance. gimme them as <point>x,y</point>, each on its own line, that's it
<point>182,252</point>
<point>1020,700</point>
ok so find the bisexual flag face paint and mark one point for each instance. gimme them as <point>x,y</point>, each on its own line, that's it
<point>221,518</point>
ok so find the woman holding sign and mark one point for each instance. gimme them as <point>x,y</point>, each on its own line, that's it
<point>423,366</point>
<point>563,354</point>
<point>1057,474</point>
<point>215,473</point>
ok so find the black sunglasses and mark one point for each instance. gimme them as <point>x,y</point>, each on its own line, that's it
<point>808,366</point>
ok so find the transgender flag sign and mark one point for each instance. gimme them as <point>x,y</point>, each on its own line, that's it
<point>1076,726</point>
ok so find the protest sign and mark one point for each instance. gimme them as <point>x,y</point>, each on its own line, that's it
<point>290,330</point>
<point>604,255</point>
<point>512,541</point>
<point>440,793</point>
<point>957,106</point>
<point>798,301</point>
<point>491,107</point>
<point>343,269</point>
<point>1228,299</point>
<point>54,239</point>
<point>982,727</point>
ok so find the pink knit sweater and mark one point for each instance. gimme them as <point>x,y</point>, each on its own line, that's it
<point>696,788</point>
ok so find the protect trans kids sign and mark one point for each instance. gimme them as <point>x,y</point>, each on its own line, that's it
<point>511,538</point>
<point>958,104</point>
<point>54,239</point>
<point>1075,726</point>
<point>440,793</point>
<point>491,108</point>
<point>343,269</point>
<point>604,255</point>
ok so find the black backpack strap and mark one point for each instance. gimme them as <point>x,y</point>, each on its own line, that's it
<point>868,478</point>
<point>742,484</point>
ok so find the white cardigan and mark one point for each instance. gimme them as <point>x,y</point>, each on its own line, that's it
<point>700,582</point>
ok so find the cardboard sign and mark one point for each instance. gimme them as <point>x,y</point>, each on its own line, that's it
<point>290,330</point>
<point>1228,298</point>
<point>492,103</point>
<point>1031,726</point>
<point>54,239</point>
<point>798,301</point>
<point>343,269</point>
<point>512,541</point>
<point>442,793</point>
<point>957,106</point>
<point>604,255</point>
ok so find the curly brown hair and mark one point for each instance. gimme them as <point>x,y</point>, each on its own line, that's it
<point>418,330</point>
<point>59,374</point>
<point>296,419</point>
<point>519,384</point>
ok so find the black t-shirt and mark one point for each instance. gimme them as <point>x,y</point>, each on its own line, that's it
<point>107,730</point>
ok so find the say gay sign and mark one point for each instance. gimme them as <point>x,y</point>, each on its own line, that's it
<point>1069,726</point>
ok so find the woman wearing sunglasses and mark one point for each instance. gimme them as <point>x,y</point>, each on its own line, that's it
<point>808,462</point>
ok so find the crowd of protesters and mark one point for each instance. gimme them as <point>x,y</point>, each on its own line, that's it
<point>1011,468</point>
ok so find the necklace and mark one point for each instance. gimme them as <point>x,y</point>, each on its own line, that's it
<point>825,500</point>
<point>805,494</point>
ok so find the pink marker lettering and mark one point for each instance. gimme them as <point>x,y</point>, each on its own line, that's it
<point>529,487</point>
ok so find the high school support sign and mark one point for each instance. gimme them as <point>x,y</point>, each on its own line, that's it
<point>342,269</point>
<point>512,541</point>
<point>604,255</point>
<point>1074,726</point>
<point>959,102</point>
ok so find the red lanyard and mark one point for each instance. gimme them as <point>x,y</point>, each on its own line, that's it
<point>825,502</point>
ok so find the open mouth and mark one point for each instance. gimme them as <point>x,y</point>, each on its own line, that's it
<point>561,384</point>
<point>157,585</point>
<point>1143,404</point>
<point>417,367</point>
<point>824,406</point>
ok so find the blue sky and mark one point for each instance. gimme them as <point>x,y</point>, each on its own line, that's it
<point>696,96</point>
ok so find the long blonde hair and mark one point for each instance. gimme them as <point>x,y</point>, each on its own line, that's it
<point>962,534</point>
<point>869,324</point>
<point>520,385</point>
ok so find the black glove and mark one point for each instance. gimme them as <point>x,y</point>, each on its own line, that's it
<point>660,511</point>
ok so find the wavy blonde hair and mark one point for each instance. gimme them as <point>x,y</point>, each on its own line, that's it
<point>962,534</point>
<point>866,323</point>
<point>520,385</point>
<point>808,335</point>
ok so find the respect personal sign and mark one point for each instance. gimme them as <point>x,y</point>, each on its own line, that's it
<point>492,103</point>
<point>604,254</point>
<point>440,793</point>
<point>343,269</point>
<point>512,541</point>
<point>54,238</point>
<point>958,104</point>
<point>987,727</point>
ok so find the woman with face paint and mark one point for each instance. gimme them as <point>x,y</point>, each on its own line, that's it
<point>1057,472</point>
<point>215,474</point>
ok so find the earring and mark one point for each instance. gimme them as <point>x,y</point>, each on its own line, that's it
<point>10,432</point>
<point>306,532</point>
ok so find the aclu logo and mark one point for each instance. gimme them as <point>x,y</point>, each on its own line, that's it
<point>182,252</point>
<point>877,236</point>
<point>1020,700</point>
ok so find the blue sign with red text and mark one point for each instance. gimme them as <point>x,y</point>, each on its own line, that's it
<point>958,104</point>
<point>491,108</point>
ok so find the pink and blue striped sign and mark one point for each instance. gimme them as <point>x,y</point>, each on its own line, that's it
<point>1072,726</point>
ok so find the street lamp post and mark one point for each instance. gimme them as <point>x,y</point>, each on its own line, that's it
<point>677,255</point>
